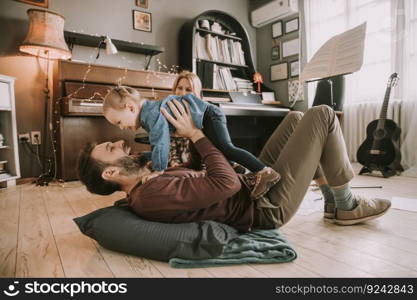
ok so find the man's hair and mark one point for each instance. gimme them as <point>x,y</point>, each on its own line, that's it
<point>90,170</point>
<point>117,96</point>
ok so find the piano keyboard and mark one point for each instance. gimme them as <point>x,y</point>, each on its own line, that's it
<point>85,106</point>
<point>252,110</point>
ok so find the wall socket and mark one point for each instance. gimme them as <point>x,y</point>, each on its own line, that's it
<point>35,137</point>
<point>24,137</point>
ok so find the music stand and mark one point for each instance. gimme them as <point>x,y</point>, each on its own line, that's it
<point>340,55</point>
<point>330,91</point>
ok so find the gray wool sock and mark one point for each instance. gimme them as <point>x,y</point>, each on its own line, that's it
<point>344,198</point>
<point>327,193</point>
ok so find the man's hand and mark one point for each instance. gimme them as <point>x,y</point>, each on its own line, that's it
<point>183,121</point>
<point>152,175</point>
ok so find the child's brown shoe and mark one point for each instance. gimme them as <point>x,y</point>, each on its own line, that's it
<point>265,179</point>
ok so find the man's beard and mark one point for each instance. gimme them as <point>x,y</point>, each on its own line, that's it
<point>132,164</point>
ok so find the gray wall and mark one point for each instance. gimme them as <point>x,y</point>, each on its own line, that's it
<point>95,17</point>
<point>264,43</point>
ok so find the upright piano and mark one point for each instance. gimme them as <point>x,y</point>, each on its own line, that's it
<point>78,91</point>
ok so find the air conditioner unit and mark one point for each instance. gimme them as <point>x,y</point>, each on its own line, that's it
<point>272,11</point>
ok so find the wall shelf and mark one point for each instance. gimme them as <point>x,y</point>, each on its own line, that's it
<point>228,36</point>
<point>220,63</point>
<point>74,38</point>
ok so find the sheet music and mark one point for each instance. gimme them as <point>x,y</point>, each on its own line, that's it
<point>342,54</point>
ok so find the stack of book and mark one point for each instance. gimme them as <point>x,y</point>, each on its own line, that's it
<point>243,85</point>
<point>214,48</point>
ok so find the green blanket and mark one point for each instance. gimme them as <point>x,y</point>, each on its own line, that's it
<point>257,246</point>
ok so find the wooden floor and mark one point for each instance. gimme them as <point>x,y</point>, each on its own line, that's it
<point>39,239</point>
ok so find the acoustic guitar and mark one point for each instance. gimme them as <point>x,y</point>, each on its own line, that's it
<point>381,151</point>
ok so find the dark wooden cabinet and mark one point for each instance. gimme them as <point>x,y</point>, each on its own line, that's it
<point>77,107</point>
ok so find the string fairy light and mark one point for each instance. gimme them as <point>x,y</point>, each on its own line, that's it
<point>162,68</point>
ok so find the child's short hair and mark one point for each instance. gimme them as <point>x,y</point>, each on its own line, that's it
<point>192,78</point>
<point>117,96</point>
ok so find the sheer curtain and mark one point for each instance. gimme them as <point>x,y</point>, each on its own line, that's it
<point>390,46</point>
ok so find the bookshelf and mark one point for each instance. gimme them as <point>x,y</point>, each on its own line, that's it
<point>216,47</point>
<point>9,157</point>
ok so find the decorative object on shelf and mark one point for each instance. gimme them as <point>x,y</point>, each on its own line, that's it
<point>295,91</point>
<point>204,24</point>
<point>275,53</point>
<point>1,140</point>
<point>216,27</point>
<point>45,39</point>
<point>142,3</point>
<point>3,166</point>
<point>277,29</point>
<point>292,25</point>
<point>142,21</point>
<point>294,68</point>
<point>291,47</point>
<point>257,78</point>
<point>41,3</point>
<point>279,72</point>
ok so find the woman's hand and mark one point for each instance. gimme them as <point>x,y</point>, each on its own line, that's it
<point>183,121</point>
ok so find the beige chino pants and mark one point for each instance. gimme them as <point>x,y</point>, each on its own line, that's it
<point>302,148</point>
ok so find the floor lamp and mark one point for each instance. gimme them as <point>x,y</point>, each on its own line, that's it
<point>45,39</point>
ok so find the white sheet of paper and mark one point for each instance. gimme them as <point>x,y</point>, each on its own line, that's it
<point>342,54</point>
<point>291,47</point>
<point>268,96</point>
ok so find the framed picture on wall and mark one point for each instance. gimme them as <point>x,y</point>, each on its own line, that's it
<point>295,91</point>
<point>277,29</point>
<point>292,25</point>
<point>291,47</point>
<point>275,53</point>
<point>41,3</point>
<point>142,21</point>
<point>294,68</point>
<point>279,72</point>
<point>142,3</point>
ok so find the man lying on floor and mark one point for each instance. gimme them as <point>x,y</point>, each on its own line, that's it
<point>302,148</point>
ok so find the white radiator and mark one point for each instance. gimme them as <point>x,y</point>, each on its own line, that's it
<point>357,116</point>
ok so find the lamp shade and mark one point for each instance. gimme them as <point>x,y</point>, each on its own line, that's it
<point>45,37</point>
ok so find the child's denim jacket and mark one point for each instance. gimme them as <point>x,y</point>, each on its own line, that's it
<point>159,128</point>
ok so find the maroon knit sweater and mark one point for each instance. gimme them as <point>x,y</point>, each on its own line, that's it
<point>183,195</point>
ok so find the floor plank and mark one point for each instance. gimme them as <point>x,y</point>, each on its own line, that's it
<point>79,255</point>
<point>39,239</point>
<point>122,265</point>
<point>337,251</point>
<point>363,241</point>
<point>37,253</point>
<point>9,225</point>
<point>285,270</point>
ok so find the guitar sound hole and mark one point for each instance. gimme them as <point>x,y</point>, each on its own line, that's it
<point>379,133</point>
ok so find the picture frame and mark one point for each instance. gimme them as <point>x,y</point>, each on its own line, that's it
<point>41,3</point>
<point>295,91</point>
<point>292,25</point>
<point>142,21</point>
<point>294,68</point>
<point>275,52</point>
<point>277,29</point>
<point>142,3</point>
<point>291,47</point>
<point>279,72</point>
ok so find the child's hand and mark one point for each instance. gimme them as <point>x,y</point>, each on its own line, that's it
<point>152,175</point>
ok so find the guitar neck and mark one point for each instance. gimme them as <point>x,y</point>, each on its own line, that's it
<point>384,109</point>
